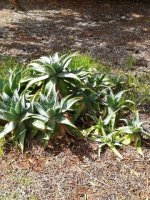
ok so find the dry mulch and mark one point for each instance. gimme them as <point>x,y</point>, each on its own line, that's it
<point>111,31</point>
<point>74,171</point>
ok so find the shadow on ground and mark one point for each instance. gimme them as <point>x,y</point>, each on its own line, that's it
<point>110,30</point>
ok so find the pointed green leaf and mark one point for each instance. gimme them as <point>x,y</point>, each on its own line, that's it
<point>125,129</point>
<point>9,116</point>
<point>113,148</point>
<point>64,120</point>
<point>69,75</point>
<point>35,80</point>
<point>37,67</point>
<point>47,137</point>
<point>67,104</point>
<point>67,63</point>
<point>75,132</point>
<point>7,129</point>
<point>40,109</point>
<point>127,139</point>
<point>39,124</point>
<point>119,95</point>
<point>21,140</point>
<point>139,146</point>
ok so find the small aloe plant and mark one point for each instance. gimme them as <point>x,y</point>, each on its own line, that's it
<point>105,134</point>
<point>51,72</point>
<point>52,116</point>
<point>116,102</point>
<point>12,82</point>
<point>133,132</point>
<point>14,110</point>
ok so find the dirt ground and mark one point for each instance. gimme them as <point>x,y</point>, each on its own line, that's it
<point>112,31</point>
<point>75,172</point>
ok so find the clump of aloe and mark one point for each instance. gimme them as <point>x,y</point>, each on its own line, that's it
<point>49,99</point>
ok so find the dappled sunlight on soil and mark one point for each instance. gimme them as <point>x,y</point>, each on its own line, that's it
<point>106,30</point>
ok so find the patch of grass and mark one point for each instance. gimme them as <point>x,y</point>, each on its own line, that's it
<point>139,87</point>
<point>138,83</point>
<point>86,61</point>
<point>129,63</point>
<point>33,198</point>
<point>83,60</point>
<point>25,181</point>
<point>2,144</point>
<point>7,63</point>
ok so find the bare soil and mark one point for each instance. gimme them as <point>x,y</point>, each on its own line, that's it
<point>111,31</point>
<point>73,171</point>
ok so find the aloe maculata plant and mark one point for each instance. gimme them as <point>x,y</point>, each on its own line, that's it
<point>50,98</point>
<point>104,132</point>
<point>52,71</point>
<point>133,131</point>
<point>14,110</point>
<point>53,115</point>
<point>12,82</point>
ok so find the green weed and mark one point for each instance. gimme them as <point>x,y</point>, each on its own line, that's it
<point>129,63</point>
<point>7,63</point>
<point>2,144</point>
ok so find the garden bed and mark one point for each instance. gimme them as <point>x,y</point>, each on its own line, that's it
<point>73,169</point>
